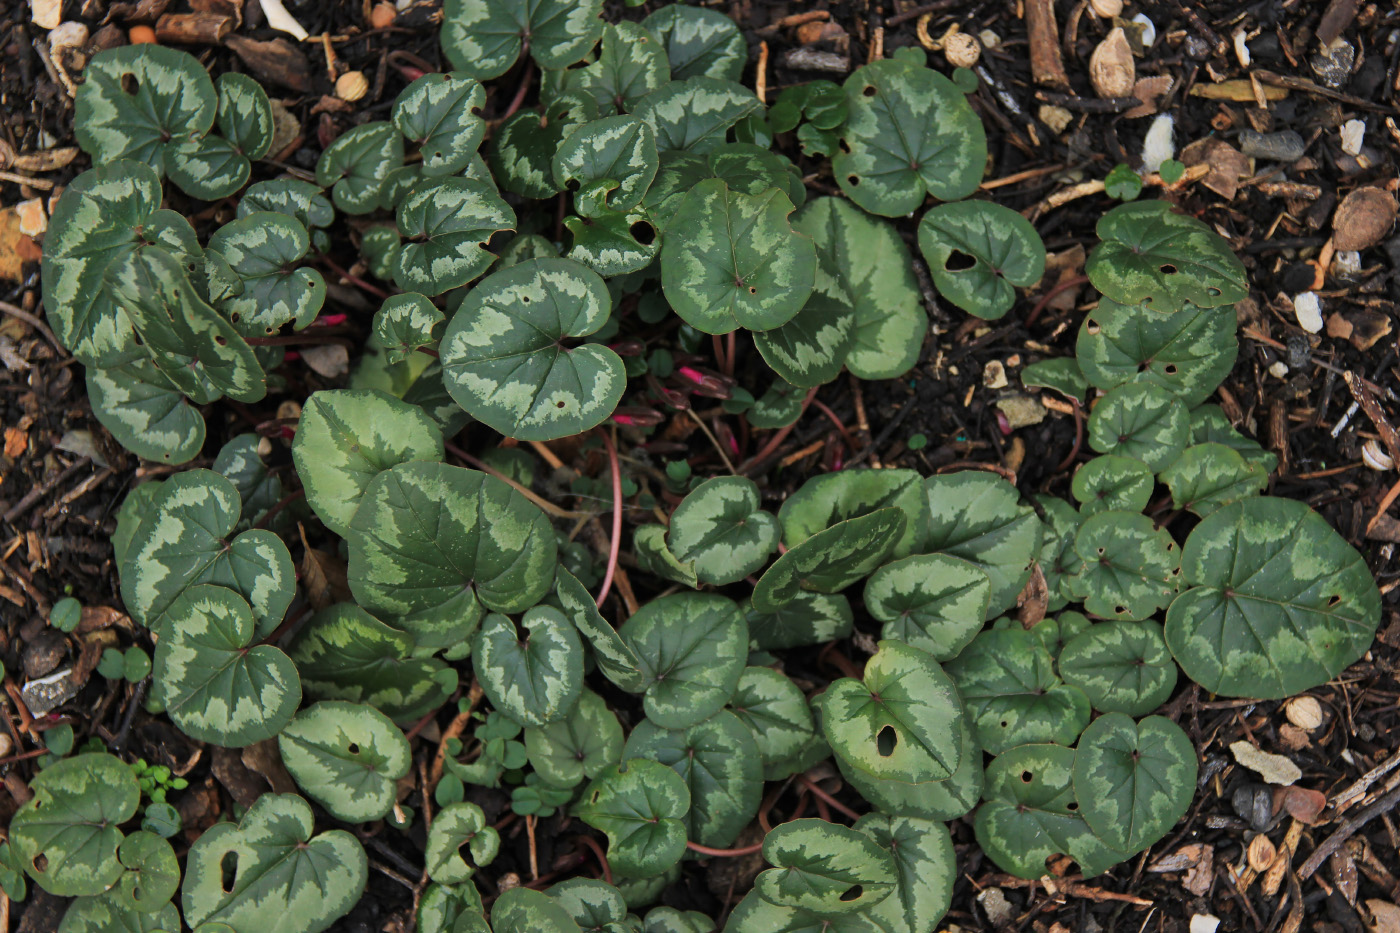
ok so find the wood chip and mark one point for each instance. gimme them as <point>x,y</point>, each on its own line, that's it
<point>1274,769</point>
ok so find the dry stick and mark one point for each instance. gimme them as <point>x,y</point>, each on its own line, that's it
<point>1072,889</point>
<point>34,322</point>
<point>830,801</point>
<point>863,422</point>
<point>1047,67</point>
<point>530,821</point>
<point>454,729</point>
<point>1363,784</point>
<point>1372,408</point>
<point>543,503</point>
<point>615,545</point>
<point>1389,499</point>
<point>520,92</point>
<point>1347,830</point>
<point>1049,296</point>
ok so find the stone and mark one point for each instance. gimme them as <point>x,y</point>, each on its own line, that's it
<point>1363,219</point>
<point>1021,411</point>
<point>1332,65</point>
<point>1274,769</point>
<point>49,693</point>
<point>1307,307</point>
<point>1283,146</point>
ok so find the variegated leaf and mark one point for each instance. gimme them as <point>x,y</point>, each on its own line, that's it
<point>631,63</point>
<point>1188,353</point>
<point>613,244</point>
<point>721,529</point>
<point>776,712</point>
<point>207,167</point>
<point>935,602</point>
<point>241,462</point>
<point>441,114</point>
<point>580,746</point>
<point>1210,426</point>
<point>948,799</point>
<point>406,323</point>
<point>358,164</point>
<point>534,676</point>
<point>615,658</point>
<point>824,867</point>
<point>699,41</point>
<point>522,148</point>
<point>639,806</point>
<point>1133,780</point>
<point>696,114</point>
<point>593,904</point>
<point>1142,420</point>
<point>145,413</point>
<point>459,829</point>
<point>830,498</point>
<point>1003,247</point>
<point>105,914</point>
<point>263,249</point>
<point>979,517</point>
<point>925,868</point>
<point>692,648</point>
<point>656,557</point>
<point>346,757</point>
<point>245,115</point>
<point>483,38</point>
<point>753,914</point>
<point>832,559</point>
<point>1208,476</point>
<point>809,619</point>
<point>1129,568</point>
<point>525,910</point>
<point>446,223</point>
<point>1122,667</point>
<point>1112,483</point>
<point>152,874</point>
<point>614,155</point>
<point>301,200</point>
<point>811,348</point>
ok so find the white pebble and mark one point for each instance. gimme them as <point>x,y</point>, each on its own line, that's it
<point>1149,31</point>
<point>1158,147</point>
<point>1279,369</point>
<point>1205,923</point>
<point>1353,132</point>
<point>1308,309</point>
<point>1241,48</point>
<point>1346,262</point>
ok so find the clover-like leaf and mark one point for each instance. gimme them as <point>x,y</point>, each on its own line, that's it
<point>1210,426</point>
<point>1007,680</point>
<point>67,835</point>
<point>935,602</point>
<point>910,133</point>
<point>825,500</point>
<point>925,868</point>
<point>1031,814</point>
<point>695,114</point>
<point>578,746</point>
<point>979,517</point>
<point>1142,420</point>
<point>1154,255</point>
<point>347,757</point>
<point>615,658</point>
<point>1122,667</point>
<point>533,676</point>
<point>608,163</point>
<point>344,653</point>
<point>186,542</point>
<point>152,874</point>
<point>356,166</point>
<point>106,914</point>
<point>1113,483</point>
<point>808,619</point>
<point>446,223</point>
<point>721,765</point>
<point>776,711</point>
<point>347,437</point>
<point>947,799</point>
<point>1188,353</point>
<point>145,413</point>
<point>902,722</point>
<point>483,38</point>
<point>441,114</point>
<point>692,648</point>
<point>261,248</point>
<point>1278,601</point>
<point>812,347</point>
<point>825,867</point>
<point>865,260</point>
<point>733,260</point>
<point>458,827</point>
<point>212,680</point>
<point>525,910</point>
<point>639,806</point>
<point>504,361</point>
<point>1208,476</point>
<point>699,41</point>
<point>406,323</point>
<point>269,873</point>
<point>433,546</point>
<point>977,251</point>
<point>832,559</point>
<point>1133,780</point>
<point>721,529</point>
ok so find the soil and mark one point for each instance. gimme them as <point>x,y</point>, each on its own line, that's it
<point>61,476</point>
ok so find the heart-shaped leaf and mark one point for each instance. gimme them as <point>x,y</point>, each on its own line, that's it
<point>262,248</point>
<point>241,463</point>
<point>865,260</point>
<point>613,244</point>
<point>615,658</point>
<point>925,868</point>
<point>825,500</point>
<point>825,867</point>
<point>1210,426</point>
<point>692,648</point>
<point>1140,420</point>
<point>778,407</point>
<point>522,149</point>
<point>580,745</point>
<point>631,64</point>
<point>934,602</point>
<point>208,167</point>
<point>812,347</point>
<point>755,915</point>
<point>1057,559</point>
<point>639,805</point>
<point>808,619</point>
<point>405,323</point>
<point>441,114</point>
<point>1061,374</point>
<point>699,41</point>
<point>947,799</point>
<point>1113,483</point>
<point>347,757</point>
<point>1007,680</point>
<point>185,542</point>
<point>753,169</point>
<point>733,260</point>
<point>131,515</point>
<point>900,724</point>
<point>105,914</point>
<point>344,653</point>
<point>446,223</point>
<point>831,560</point>
<point>776,712</point>
<point>483,38</point>
<point>1278,601</point>
<point>459,827</point>
<point>655,557</point>
<point>1208,476</point>
<point>213,681</point>
<point>245,115</point>
<point>977,251</point>
<point>695,114</point>
<point>1122,667</point>
<point>608,163</point>
<point>66,836</point>
<point>979,517</point>
<point>444,907</point>
<point>269,873</point>
<point>669,919</point>
<point>910,133</point>
<point>433,546</point>
<point>1153,255</point>
<point>721,529</point>
<point>145,413</point>
<point>1188,353</point>
<point>152,874</point>
<point>356,166</point>
<point>347,437</point>
<point>534,676</point>
<point>593,904</point>
<point>1133,780</point>
<point>301,200</point>
<point>721,765</point>
<point>524,910</point>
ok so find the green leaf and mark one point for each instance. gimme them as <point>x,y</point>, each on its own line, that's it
<point>406,322</point>
<point>433,546</point>
<point>213,681</point>
<point>901,723</point>
<point>1140,420</point>
<point>1122,667</point>
<point>145,413</point>
<point>947,799</point>
<point>347,437</point>
<point>910,133</point>
<point>1208,476</point>
<point>776,712</point>
<point>639,805</point>
<point>865,260</point>
<point>1007,680</point>
<point>522,149</point>
<point>1210,426</point>
<point>1122,183</point>
<point>609,163</point>
<point>446,909</point>
<point>152,874</point>
<point>441,114</point>
<point>1153,255</point>
<point>184,542</point>
<point>825,867</point>
<point>825,500</point>
<point>812,347</point>
<point>1031,814</point>
<point>1057,558</point>
<point>1113,483</point>
<point>1188,353</point>
<point>1278,602</point>
<point>631,63</point>
<point>733,260</point>
<point>753,169</point>
<point>344,653</point>
<point>613,244</point>
<point>721,529</point>
<point>578,746</point>
<point>979,517</point>
<point>592,903</point>
<point>669,919</point>
<point>534,676</point>
<point>131,514</point>
<point>925,869</point>
<point>1061,374</point>
<point>446,223</point>
<point>67,835</point>
<point>934,602</point>
<point>808,619</point>
<point>615,658</point>
<point>347,757</point>
<point>241,464</point>
<point>695,114</point>
<point>358,164</point>
<point>106,914</point>
<point>692,648</point>
<point>778,407</point>
<point>269,873</point>
<point>831,560</point>
<point>1002,247</point>
<point>503,358</point>
<point>459,826</point>
<point>139,101</point>
<point>300,200</point>
<point>1133,780</point>
<point>483,38</point>
<point>699,41</point>
<point>245,115</point>
<point>524,910</point>
<point>755,915</point>
<point>261,248</point>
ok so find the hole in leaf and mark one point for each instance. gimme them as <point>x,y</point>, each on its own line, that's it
<point>1120,610</point>
<point>41,862</point>
<point>752,290</point>
<point>221,340</point>
<point>1167,269</point>
<point>525,299</point>
<point>1072,806</point>
<point>958,261</point>
<point>571,184</point>
<point>228,871</point>
<point>852,893</point>
<point>354,748</point>
<point>136,893</point>
<point>1170,369</point>
<point>885,741</point>
<point>845,146</point>
<point>1091,327</point>
<point>235,317</point>
<point>1213,292</point>
<point>130,84</point>
<point>643,232</point>
<point>854,180</point>
<point>1027,777</point>
<point>1335,601</point>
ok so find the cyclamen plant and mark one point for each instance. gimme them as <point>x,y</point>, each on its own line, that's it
<point>663,733</point>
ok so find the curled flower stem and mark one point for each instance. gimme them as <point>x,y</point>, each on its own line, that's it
<point>616,544</point>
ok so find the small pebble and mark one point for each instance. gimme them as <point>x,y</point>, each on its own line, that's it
<point>46,695</point>
<point>1307,307</point>
<point>1299,351</point>
<point>1332,65</point>
<point>1283,146</point>
<point>1304,712</point>
<point>1353,133</point>
<point>382,15</point>
<point>1149,30</point>
<point>1241,48</point>
<point>1346,262</point>
<point>1254,802</point>
<point>1279,369</point>
<point>994,375</point>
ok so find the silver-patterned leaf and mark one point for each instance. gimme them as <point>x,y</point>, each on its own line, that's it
<point>534,673</point>
<point>721,530</point>
<point>347,757</point>
<point>483,38</point>
<point>446,223</point>
<point>145,413</point>
<point>263,249</point>
<point>441,114</point>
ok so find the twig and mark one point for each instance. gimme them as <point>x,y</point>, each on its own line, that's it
<point>1047,67</point>
<point>615,543</point>
<point>1362,393</point>
<point>42,490</point>
<point>1346,831</point>
<point>455,728</point>
<point>1362,784</point>
<point>543,503</point>
<point>530,821</point>
<point>719,448</point>
<point>520,92</point>
<point>278,506</point>
<point>1308,87</point>
<point>777,439</point>
<point>1072,889</point>
<point>34,322</point>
